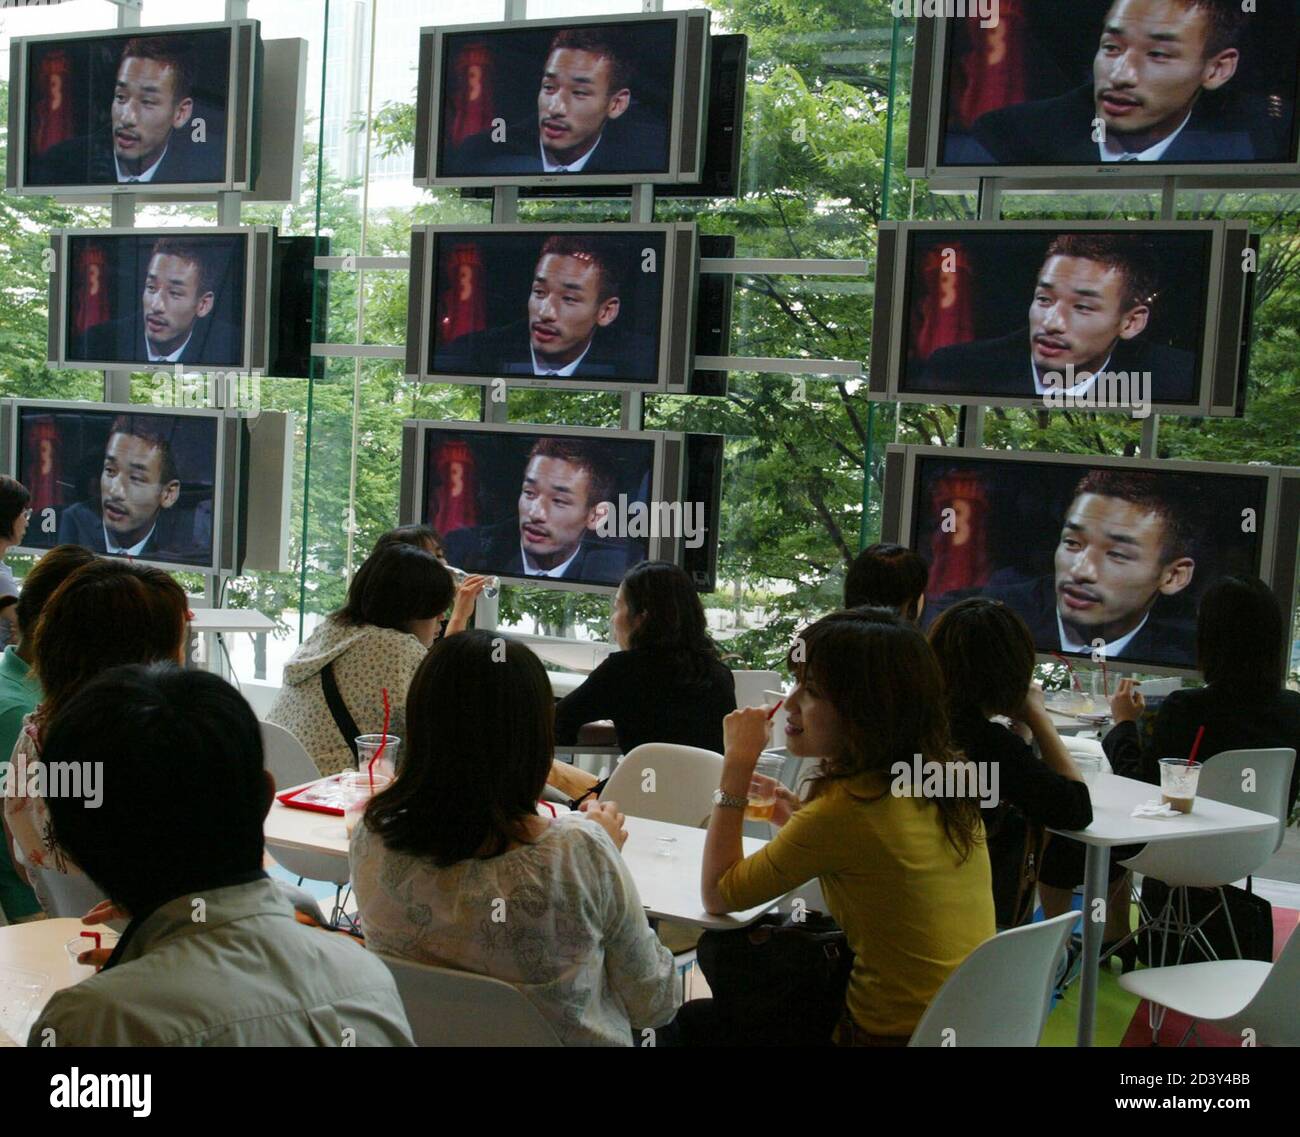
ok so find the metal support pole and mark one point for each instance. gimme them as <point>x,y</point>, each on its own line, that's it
<point>970,427</point>
<point>1150,436</point>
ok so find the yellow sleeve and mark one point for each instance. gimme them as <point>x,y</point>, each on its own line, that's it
<point>815,841</point>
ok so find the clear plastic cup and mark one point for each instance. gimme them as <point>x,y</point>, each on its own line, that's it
<point>78,944</point>
<point>762,800</point>
<point>357,788</point>
<point>1178,779</point>
<point>1089,766</point>
<point>490,588</point>
<point>368,745</point>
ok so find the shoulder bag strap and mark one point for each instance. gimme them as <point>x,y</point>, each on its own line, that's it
<point>338,708</point>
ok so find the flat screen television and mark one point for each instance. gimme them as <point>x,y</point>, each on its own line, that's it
<point>605,307</point>
<point>1103,557</point>
<point>596,101</point>
<point>560,506</point>
<point>1129,318</point>
<point>144,299</point>
<point>1056,88</point>
<point>141,111</point>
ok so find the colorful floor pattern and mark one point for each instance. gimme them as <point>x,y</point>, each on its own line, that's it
<point>1122,1018</point>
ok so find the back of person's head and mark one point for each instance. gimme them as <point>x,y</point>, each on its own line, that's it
<point>987,654</point>
<point>665,610</point>
<point>105,614</point>
<point>1240,636</point>
<point>395,585</point>
<point>177,797</point>
<point>887,576</point>
<point>479,741</point>
<point>880,677</point>
<point>14,498</point>
<point>424,537</point>
<point>43,581</point>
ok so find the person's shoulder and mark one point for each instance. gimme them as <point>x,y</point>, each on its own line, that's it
<point>1053,111</point>
<point>97,1012</point>
<point>579,834</point>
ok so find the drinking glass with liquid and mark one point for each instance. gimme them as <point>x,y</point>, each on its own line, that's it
<point>1178,781</point>
<point>762,790</point>
<point>490,589</point>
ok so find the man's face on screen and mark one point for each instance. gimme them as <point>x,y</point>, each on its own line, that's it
<point>553,510</point>
<point>1150,67</point>
<point>131,490</point>
<point>1111,568</point>
<point>1078,313</point>
<point>173,301</point>
<point>575,102</point>
<point>145,112</point>
<point>564,308</point>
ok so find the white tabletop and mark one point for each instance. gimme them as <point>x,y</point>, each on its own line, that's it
<point>231,620</point>
<point>669,885</point>
<point>562,682</point>
<point>34,963</point>
<point>1114,798</point>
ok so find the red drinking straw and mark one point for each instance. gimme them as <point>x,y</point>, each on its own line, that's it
<point>773,711</point>
<point>1074,679</point>
<point>370,769</point>
<point>1105,679</point>
<point>92,936</point>
<point>1196,745</point>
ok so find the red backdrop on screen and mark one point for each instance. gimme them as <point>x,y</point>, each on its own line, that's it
<point>42,473</point>
<point>462,305</point>
<point>53,120</point>
<point>470,92</point>
<point>90,304</point>
<point>992,73</point>
<point>947,313</point>
<point>453,505</point>
<point>958,548</point>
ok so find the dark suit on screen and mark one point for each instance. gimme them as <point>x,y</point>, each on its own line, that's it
<point>122,341</point>
<point>181,535</point>
<point>1168,637</point>
<point>506,351</point>
<point>88,160</point>
<point>1224,127</point>
<point>632,143</point>
<point>1004,366</point>
<point>495,549</point>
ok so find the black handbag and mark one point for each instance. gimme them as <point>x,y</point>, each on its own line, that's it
<point>778,982</point>
<point>1252,920</point>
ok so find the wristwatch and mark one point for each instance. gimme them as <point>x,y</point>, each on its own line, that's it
<point>730,801</point>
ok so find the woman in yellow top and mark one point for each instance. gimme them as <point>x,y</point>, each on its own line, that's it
<point>906,877</point>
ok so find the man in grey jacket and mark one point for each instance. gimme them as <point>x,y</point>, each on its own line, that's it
<point>213,955</point>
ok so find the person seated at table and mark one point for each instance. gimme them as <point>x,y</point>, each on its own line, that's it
<point>907,877</point>
<point>1241,634</point>
<point>453,866</point>
<point>334,683</point>
<point>213,954</point>
<point>987,656</point>
<point>887,576</point>
<point>106,613</point>
<point>19,695</point>
<point>666,682</point>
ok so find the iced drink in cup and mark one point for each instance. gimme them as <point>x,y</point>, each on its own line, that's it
<point>368,745</point>
<point>357,788</point>
<point>1178,778</point>
<point>762,795</point>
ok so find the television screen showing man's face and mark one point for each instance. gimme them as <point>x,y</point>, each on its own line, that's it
<point>1081,308</point>
<point>1090,82</point>
<point>140,484</point>
<point>1112,563</point>
<point>578,97</point>
<point>147,106</point>
<point>555,509</point>
<point>1109,560</point>
<point>132,488</point>
<point>132,107</point>
<point>567,305</point>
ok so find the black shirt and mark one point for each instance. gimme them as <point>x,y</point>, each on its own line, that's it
<point>644,691</point>
<point>1029,791</point>
<point>1232,722</point>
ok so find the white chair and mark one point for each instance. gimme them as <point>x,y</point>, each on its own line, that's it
<point>1002,992</point>
<point>1220,859</point>
<point>666,782</point>
<point>458,1008</point>
<point>286,757</point>
<point>751,685</point>
<point>1235,995</point>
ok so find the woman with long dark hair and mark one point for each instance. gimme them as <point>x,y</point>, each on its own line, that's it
<point>903,867</point>
<point>666,683</point>
<point>454,866</point>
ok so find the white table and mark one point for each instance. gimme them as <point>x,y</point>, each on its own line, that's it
<point>35,953</point>
<point>1113,800</point>
<point>231,620</point>
<point>669,885</point>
